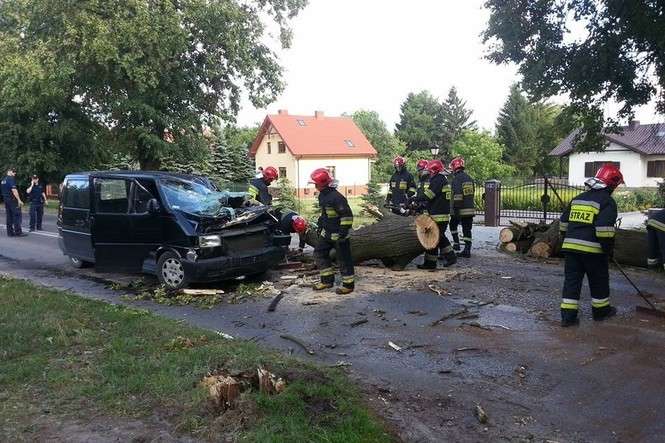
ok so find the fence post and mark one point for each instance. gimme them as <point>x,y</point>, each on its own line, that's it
<point>492,203</point>
<point>545,200</point>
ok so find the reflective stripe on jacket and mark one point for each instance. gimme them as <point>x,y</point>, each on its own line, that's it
<point>463,194</point>
<point>588,222</point>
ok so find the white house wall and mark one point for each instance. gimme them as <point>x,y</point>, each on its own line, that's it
<point>633,165</point>
<point>353,171</point>
<point>284,160</point>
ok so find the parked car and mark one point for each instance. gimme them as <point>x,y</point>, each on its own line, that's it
<point>177,227</point>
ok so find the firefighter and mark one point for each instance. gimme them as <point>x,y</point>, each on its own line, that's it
<point>588,229</point>
<point>402,187</point>
<point>258,186</point>
<point>656,236</point>
<point>422,176</point>
<point>463,206</point>
<point>436,201</point>
<point>334,224</point>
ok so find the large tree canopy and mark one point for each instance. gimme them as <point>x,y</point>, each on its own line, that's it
<point>593,50</point>
<point>385,143</point>
<point>79,79</point>
<point>420,125</point>
<point>456,119</point>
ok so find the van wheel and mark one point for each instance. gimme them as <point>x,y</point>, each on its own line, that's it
<point>171,272</point>
<point>78,263</point>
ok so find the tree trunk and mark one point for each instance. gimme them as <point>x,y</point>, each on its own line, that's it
<point>631,247</point>
<point>393,240</point>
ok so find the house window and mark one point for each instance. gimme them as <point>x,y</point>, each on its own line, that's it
<point>268,145</point>
<point>349,143</point>
<point>332,170</point>
<point>590,168</point>
<point>301,122</point>
<point>282,172</point>
<point>656,169</point>
<point>281,147</point>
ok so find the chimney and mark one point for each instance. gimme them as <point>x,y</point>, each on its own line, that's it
<point>283,112</point>
<point>633,124</point>
<point>318,114</point>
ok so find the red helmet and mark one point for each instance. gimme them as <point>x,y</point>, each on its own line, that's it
<point>299,224</point>
<point>457,163</point>
<point>399,162</point>
<point>421,165</point>
<point>610,175</point>
<point>321,177</point>
<point>434,167</point>
<point>270,174</point>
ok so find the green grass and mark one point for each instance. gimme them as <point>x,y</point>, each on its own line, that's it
<point>77,357</point>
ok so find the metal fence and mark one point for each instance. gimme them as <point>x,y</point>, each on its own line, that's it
<point>540,199</point>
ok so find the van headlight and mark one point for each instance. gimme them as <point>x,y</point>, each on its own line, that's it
<point>210,241</point>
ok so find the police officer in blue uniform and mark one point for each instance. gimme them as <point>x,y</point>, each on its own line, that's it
<point>13,204</point>
<point>37,199</point>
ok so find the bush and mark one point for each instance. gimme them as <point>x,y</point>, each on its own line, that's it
<point>286,196</point>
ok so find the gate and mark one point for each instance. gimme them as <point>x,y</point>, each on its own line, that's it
<point>541,199</point>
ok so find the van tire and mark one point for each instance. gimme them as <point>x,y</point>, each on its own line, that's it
<point>171,272</point>
<point>78,263</point>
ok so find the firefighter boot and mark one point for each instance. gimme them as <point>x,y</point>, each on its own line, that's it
<point>604,313</point>
<point>466,253</point>
<point>343,290</point>
<point>568,322</point>
<point>451,259</point>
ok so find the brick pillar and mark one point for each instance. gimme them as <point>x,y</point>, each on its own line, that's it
<point>492,203</point>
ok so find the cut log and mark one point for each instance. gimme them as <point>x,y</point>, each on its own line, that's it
<point>546,244</point>
<point>427,231</point>
<point>508,235</point>
<point>509,247</point>
<point>393,240</point>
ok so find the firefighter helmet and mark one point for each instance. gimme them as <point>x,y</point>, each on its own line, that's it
<point>610,175</point>
<point>269,174</point>
<point>321,178</point>
<point>422,164</point>
<point>434,167</point>
<point>399,162</point>
<point>457,163</point>
<point>298,224</point>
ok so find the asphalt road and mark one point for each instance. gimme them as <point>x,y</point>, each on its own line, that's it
<point>599,382</point>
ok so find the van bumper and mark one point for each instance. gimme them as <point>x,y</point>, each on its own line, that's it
<point>219,268</point>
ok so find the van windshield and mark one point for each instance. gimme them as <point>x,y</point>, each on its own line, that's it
<point>193,197</point>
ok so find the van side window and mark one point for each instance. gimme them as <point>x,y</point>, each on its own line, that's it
<point>111,195</point>
<point>76,194</point>
<point>141,198</point>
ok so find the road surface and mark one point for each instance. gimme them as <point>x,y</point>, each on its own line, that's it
<point>599,382</point>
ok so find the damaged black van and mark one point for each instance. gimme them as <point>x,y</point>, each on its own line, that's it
<point>177,227</point>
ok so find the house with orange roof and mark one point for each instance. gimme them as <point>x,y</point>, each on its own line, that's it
<point>296,145</point>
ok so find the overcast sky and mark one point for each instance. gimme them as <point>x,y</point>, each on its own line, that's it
<point>369,54</point>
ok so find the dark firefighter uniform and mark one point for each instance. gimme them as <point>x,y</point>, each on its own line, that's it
<point>463,210</point>
<point>436,200</point>
<point>12,208</point>
<point>656,237</point>
<point>588,228</point>
<point>334,223</point>
<point>402,187</point>
<point>258,192</point>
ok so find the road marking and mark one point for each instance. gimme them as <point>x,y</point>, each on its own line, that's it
<point>42,233</point>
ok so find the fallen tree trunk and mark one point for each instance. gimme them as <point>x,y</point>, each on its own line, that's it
<point>393,240</point>
<point>631,247</point>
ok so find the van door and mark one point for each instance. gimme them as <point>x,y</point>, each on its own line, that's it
<point>111,226</point>
<point>74,219</point>
<point>146,226</point>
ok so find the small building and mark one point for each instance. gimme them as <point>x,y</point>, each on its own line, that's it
<point>297,145</point>
<point>638,150</point>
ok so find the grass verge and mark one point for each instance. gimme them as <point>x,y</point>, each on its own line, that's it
<point>77,357</point>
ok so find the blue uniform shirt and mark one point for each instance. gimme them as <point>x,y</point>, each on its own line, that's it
<point>35,195</point>
<point>8,183</point>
